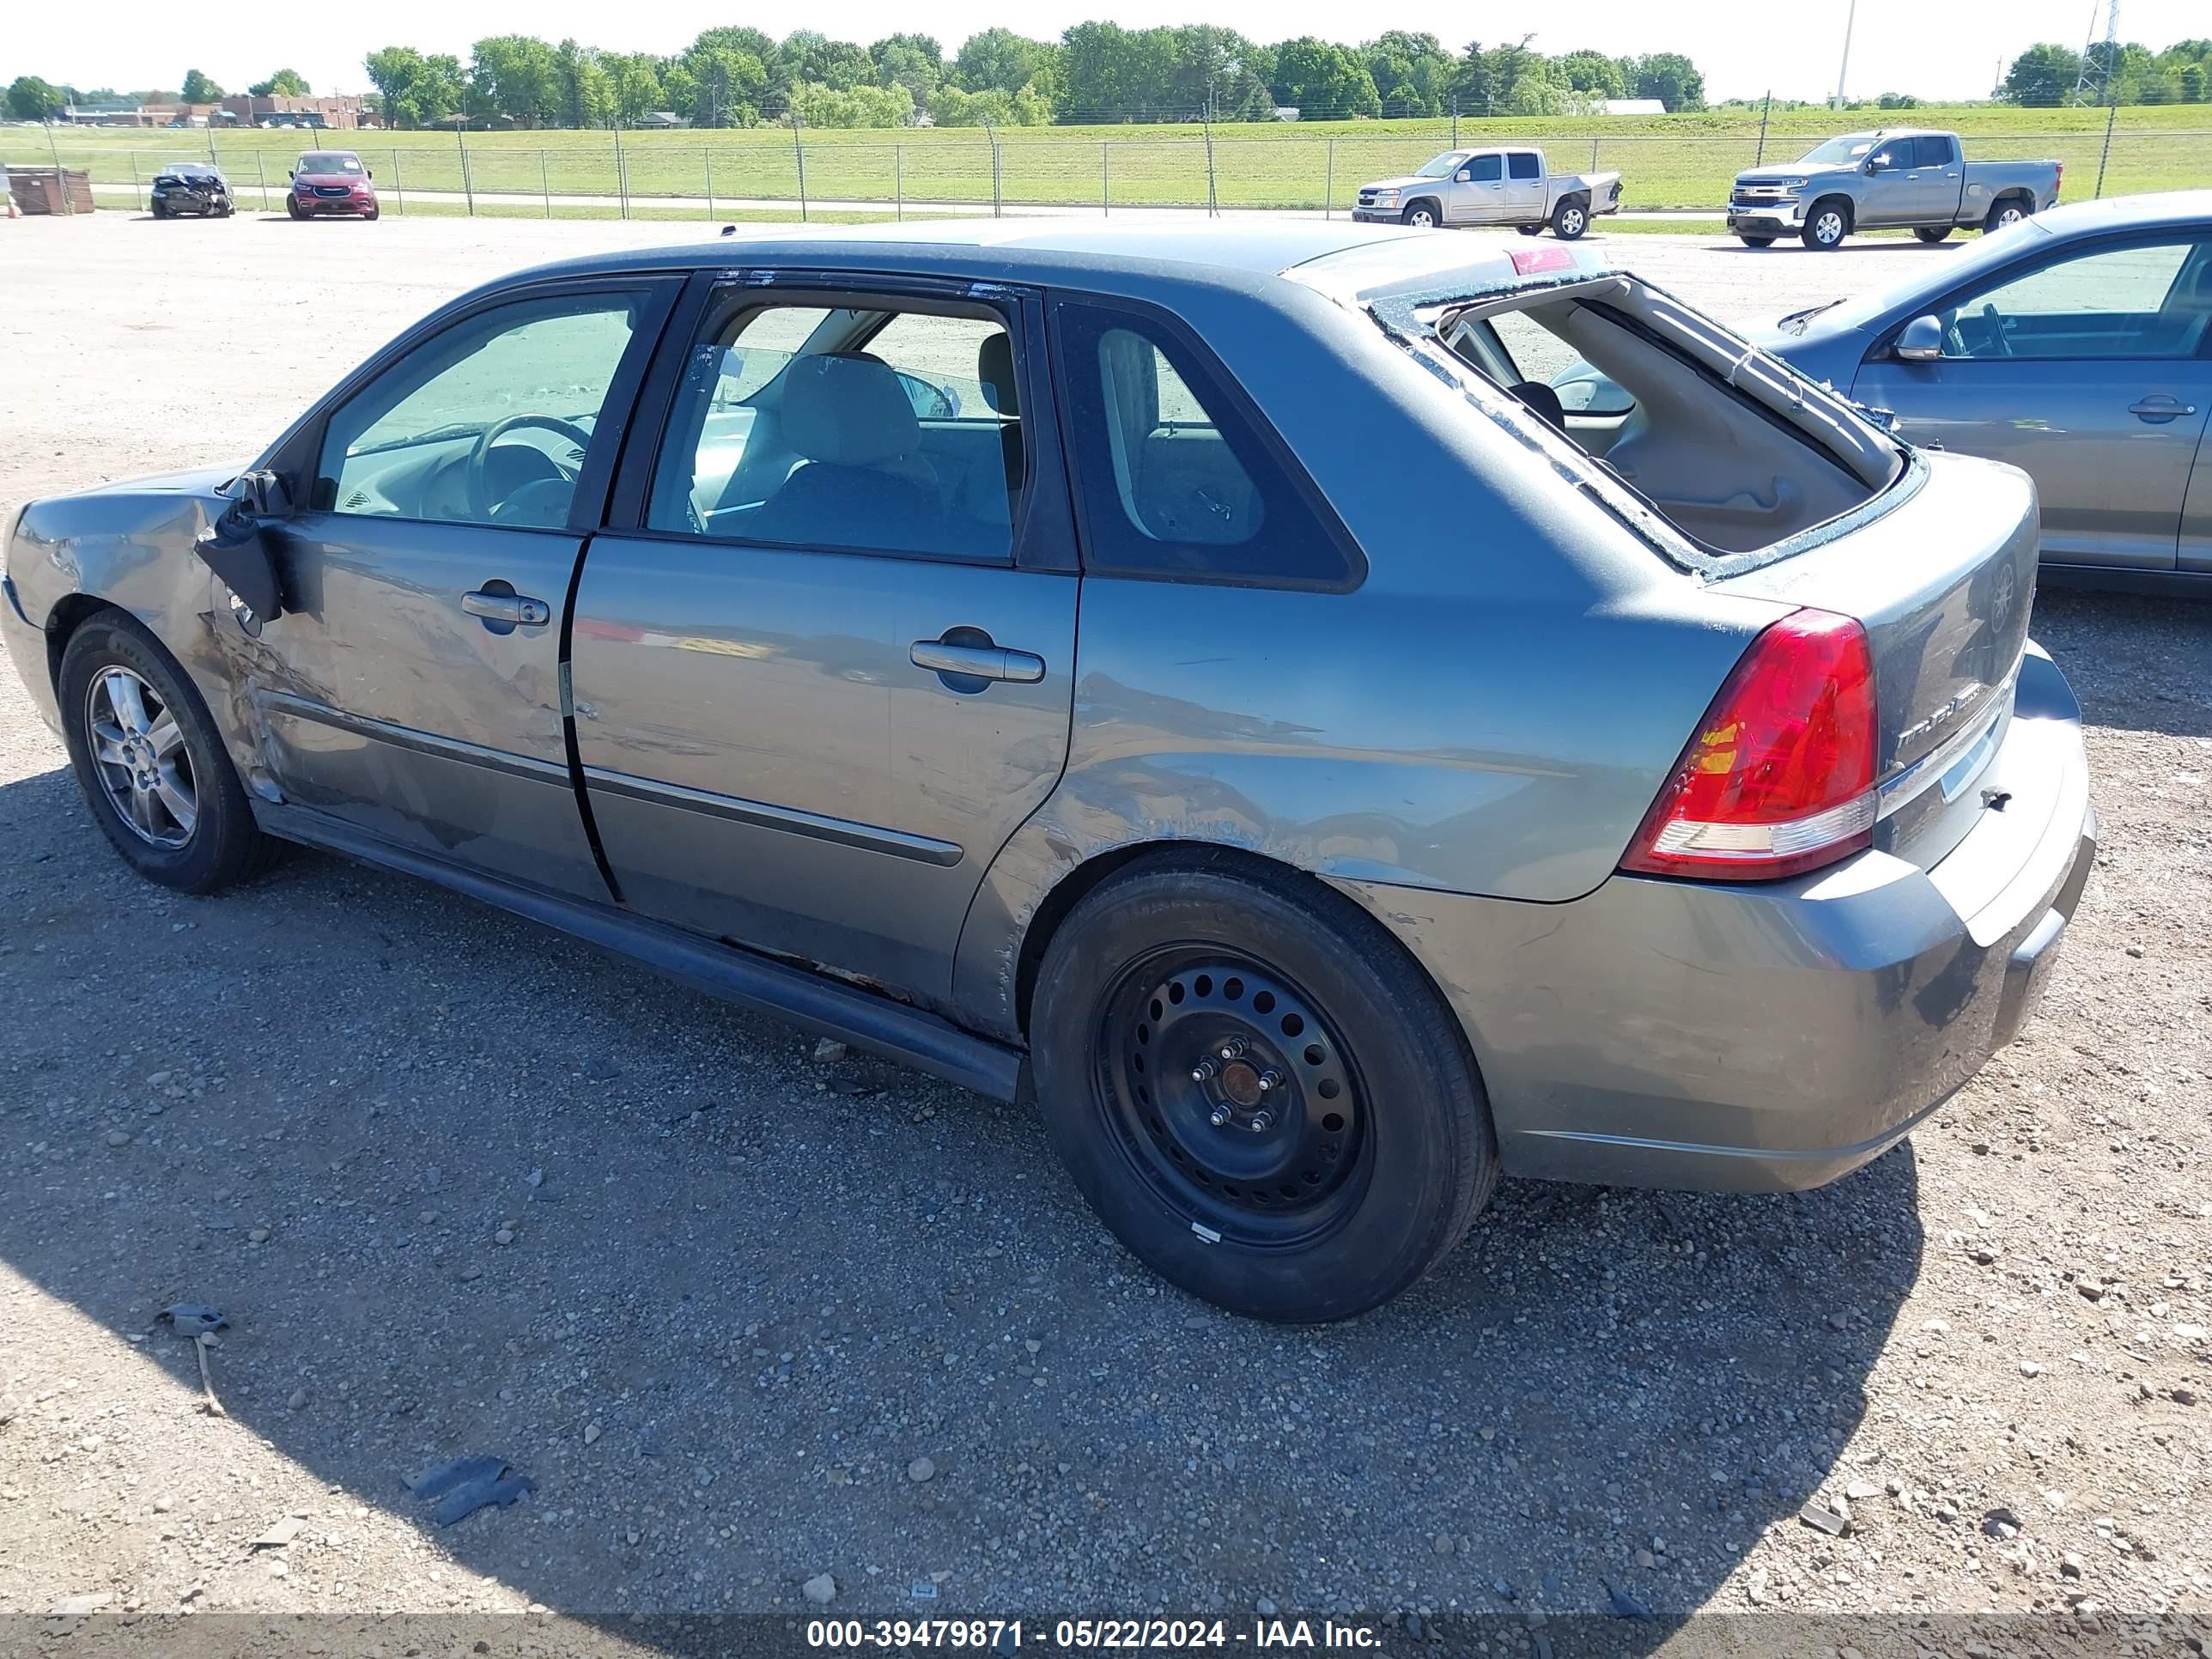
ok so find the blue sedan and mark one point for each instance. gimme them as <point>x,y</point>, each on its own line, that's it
<point>2077,345</point>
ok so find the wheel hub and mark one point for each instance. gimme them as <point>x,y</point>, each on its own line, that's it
<point>1233,1094</point>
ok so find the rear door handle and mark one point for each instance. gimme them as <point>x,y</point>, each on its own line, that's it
<point>2161,408</point>
<point>981,662</point>
<point>515,610</point>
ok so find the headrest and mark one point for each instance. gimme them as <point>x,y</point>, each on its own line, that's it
<point>847,408</point>
<point>1540,400</point>
<point>994,367</point>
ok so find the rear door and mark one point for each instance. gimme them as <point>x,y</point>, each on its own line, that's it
<point>2088,369</point>
<point>824,668</point>
<point>1524,187</point>
<point>411,687</point>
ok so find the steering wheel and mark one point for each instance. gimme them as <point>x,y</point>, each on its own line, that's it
<point>1998,335</point>
<point>480,504</point>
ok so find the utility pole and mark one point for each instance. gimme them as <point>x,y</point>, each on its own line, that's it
<point>1842,70</point>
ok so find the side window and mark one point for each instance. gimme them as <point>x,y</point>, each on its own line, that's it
<point>488,423</point>
<point>1174,483</point>
<point>1521,164</point>
<point>2116,302</point>
<point>1933,151</point>
<point>878,430</point>
<point>1483,169</point>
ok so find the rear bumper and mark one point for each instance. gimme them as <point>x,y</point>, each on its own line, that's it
<point>1775,1037</point>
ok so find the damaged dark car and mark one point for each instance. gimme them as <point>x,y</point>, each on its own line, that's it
<point>193,189</point>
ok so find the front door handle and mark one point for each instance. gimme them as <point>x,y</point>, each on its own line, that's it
<point>972,657</point>
<point>498,603</point>
<point>2161,408</point>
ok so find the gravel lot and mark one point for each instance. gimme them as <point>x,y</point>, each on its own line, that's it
<point>747,1318</point>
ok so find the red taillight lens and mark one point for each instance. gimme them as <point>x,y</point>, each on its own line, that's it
<point>1779,779</point>
<point>2059,183</point>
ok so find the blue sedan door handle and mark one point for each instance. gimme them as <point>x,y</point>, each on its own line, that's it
<point>975,657</point>
<point>2159,407</point>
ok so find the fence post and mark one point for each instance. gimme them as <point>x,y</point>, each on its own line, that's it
<point>135,192</point>
<point>1213,206</point>
<point>261,177</point>
<point>2112,113</point>
<point>399,188</point>
<point>709,155</point>
<point>545,184</point>
<point>997,204</point>
<point>1454,142</point>
<point>622,175</point>
<point>1105,179</point>
<point>468,188</point>
<point>800,150</point>
<point>898,180</point>
<point>1764,110</point>
<point>1328,187</point>
<point>1593,152</point>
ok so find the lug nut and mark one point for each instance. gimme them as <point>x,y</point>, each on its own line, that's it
<point>1262,1120</point>
<point>1220,1117</point>
<point>1270,1080</point>
<point>1202,1073</point>
<point>1233,1049</point>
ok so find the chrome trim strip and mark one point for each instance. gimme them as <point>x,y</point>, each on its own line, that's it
<point>868,837</point>
<point>419,743</point>
<point>1943,765</point>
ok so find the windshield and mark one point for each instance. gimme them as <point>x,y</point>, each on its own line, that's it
<point>1851,147</point>
<point>325,160</point>
<point>1445,165</point>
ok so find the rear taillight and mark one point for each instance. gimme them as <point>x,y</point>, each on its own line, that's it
<point>2059,183</point>
<point>1779,779</point>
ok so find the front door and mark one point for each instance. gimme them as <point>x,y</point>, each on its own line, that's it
<point>414,692</point>
<point>2087,372</point>
<point>1479,191</point>
<point>820,683</point>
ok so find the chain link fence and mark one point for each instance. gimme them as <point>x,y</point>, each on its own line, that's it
<point>981,171</point>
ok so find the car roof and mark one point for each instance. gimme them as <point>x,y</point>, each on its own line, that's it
<point>1335,256</point>
<point>2145,212</point>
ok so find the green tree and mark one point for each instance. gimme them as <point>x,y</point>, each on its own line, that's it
<point>634,79</point>
<point>1413,73</point>
<point>1671,78</point>
<point>2042,77</point>
<point>585,90</point>
<point>1000,58</point>
<point>199,89</point>
<point>1593,73</point>
<point>1325,81</point>
<point>285,83</point>
<point>30,99</point>
<point>514,75</point>
<point>915,62</point>
<point>720,80</point>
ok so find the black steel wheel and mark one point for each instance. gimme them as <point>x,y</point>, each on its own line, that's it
<point>1234,1096</point>
<point>1256,1087</point>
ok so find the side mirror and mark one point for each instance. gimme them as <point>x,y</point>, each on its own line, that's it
<point>1921,341</point>
<point>1465,175</point>
<point>1878,163</point>
<point>369,172</point>
<point>288,174</point>
<point>235,549</point>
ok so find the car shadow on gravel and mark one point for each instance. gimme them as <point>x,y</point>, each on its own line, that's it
<point>747,1317</point>
<point>2136,663</point>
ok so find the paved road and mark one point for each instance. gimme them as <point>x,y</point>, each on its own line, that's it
<point>744,1292</point>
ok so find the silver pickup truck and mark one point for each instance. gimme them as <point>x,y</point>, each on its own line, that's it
<point>1508,186</point>
<point>1900,177</point>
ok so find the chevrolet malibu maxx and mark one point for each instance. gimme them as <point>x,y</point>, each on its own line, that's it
<point>1202,675</point>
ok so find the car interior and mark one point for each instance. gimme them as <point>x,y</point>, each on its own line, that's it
<point>1721,467</point>
<point>892,430</point>
<point>2153,301</point>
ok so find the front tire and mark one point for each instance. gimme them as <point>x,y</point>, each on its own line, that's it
<point>1931,233</point>
<point>293,208</point>
<point>2004,215</point>
<point>1529,230</point>
<point>1824,230</point>
<point>372,213</point>
<point>1756,242</point>
<point>1420,215</point>
<point>1257,1090</point>
<point>1570,220</point>
<point>150,763</point>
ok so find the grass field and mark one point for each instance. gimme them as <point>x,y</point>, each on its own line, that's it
<point>1668,161</point>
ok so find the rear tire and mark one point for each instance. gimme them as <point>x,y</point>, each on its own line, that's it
<point>2009,212</point>
<point>1826,225</point>
<point>221,844</point>
<point>1319,1168</point>
<point>1571,219</point>
<point>1756,242</point>
<point>1529,230</point>
<point>1931,233</point>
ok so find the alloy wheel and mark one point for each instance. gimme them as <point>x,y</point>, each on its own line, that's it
<point>1572,222</point>
<point>138,751</point>
<point>1828,228</point>
<point>1234,1096</point>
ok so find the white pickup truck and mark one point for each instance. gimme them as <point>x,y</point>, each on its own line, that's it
<point>1491,188</point>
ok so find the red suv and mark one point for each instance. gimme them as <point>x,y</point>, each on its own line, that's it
<point>331,181</point>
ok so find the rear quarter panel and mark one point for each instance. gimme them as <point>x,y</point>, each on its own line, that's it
<point>1491,711</point>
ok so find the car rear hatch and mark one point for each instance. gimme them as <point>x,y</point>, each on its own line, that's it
<point>1942,582</point>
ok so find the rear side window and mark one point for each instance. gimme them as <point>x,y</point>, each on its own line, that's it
<point>1176,480</point>
<point>1521,165</point>
<point>1934,152</point>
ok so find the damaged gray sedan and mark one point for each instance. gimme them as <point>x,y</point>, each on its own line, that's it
<point>1345,714</point>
